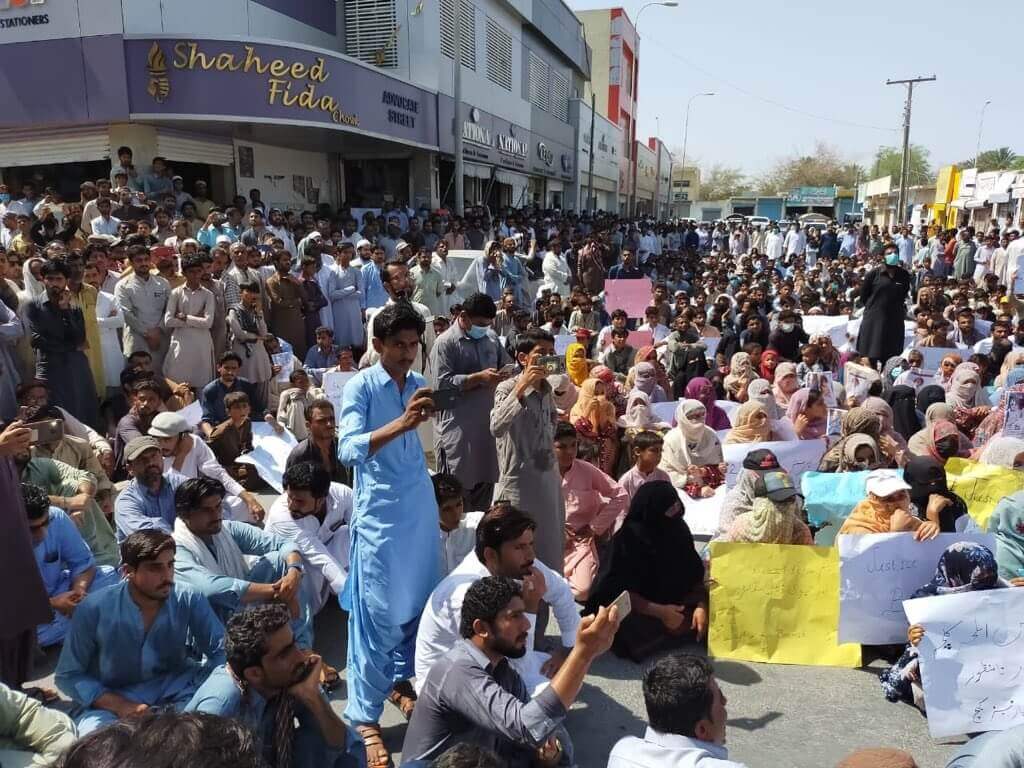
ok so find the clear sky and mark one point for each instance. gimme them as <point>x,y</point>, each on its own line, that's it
<point>832,60</point>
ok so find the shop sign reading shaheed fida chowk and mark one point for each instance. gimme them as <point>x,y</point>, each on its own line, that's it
<point>239,80</point>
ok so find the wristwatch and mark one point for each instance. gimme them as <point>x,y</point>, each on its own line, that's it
<point>297,566</point>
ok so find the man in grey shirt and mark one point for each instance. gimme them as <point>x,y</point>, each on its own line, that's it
<point>468,357</point>
<point>142,298</point>
<point>473,695</point>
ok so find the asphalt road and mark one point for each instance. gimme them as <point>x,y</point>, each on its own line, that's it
<point>779,716</point>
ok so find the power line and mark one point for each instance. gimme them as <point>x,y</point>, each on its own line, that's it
<point>765,99</point>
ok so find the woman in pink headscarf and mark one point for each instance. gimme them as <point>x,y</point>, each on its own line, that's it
<point>612,390</point>
<point>704,391</point>
<point>809,414</point>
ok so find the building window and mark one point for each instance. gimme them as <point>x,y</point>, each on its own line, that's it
<point>499,55</point>
<point>371,32</point>
<point>539,80</point>
<point>467,19</point>
<point>560,96</point>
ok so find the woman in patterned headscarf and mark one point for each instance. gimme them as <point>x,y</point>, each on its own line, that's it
<point>593,415</point>
<point>965,395</point>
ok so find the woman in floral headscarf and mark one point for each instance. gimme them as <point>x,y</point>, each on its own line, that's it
<point>704,391</point>
<point>741,373</point>
<point>593,415</point>
<point>611,387</point>
<point>896,445</point>
<point>965,395</point>
<point>963,567</point>
<point>948,364</point>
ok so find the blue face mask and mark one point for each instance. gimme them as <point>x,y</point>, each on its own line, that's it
<point>477,331</point>
<point>892,259</point>
<point>5,197</point>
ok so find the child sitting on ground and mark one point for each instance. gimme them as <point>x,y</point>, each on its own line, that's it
<point>646,455</point>
<point>809,363</point>
<point>458,531</point>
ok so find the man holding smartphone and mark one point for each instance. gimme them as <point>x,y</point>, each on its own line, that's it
<point>469,358</point>
<point>392,573</point>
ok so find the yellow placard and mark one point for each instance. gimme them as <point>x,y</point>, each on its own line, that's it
<point>982,486</point>
<point>777,603</point>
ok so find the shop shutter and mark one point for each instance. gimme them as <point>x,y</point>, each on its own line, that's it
<point>499,55</point>
<point>59,145</point>
<point>467,16</point>
<point>193,148</point>
<point>539,86</point>
<point>560,96</point>
<point>371,32</point>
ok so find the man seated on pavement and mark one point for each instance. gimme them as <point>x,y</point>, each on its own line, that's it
<point>232,438</point>
<point>31,734</point>
<point>474,695</point>
<point>62,446</point>
<point>227,381</point>
<point>321,446</point>
<point>504,547</point>
<point>185,453</point>
<point>148,499</point>
<point>292,405</point>
<point>36,394</point>
<point>146,403</point>
<point>270,677</point>
<point>72,491</point>
<point>686,718</point>
<point>67,566</point>
<point>134,645</point>
<point>211,557</point>
<point>315,514</point>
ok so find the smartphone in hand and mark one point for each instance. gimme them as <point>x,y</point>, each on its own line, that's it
<point>445,399</point>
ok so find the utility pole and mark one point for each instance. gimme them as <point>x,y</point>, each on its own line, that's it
<point>460,192</point>
<point>593,149</point>
<point>901,210</point>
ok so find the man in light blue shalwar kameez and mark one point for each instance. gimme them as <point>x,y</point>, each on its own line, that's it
<point>134,645</point>
<point>65,562</point>
<point>211,558</point>
<point>395,552</point>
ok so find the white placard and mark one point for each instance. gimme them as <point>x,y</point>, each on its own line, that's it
<point>933,356</point>
<point>877,572</point>
<point>702,515</point>
<point>795,456</point>
<point>269,453</point>
<point>972,659</point>
<point>334,386</point>
<point>286,360</point>
<point>562,343</point>
<point>192,414</point>
<point>835,326</point>
<point>822,381</point>
<point>1013,425</point>
<point>712,346</point>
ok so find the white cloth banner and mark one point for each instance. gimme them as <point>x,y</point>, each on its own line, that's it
<point>877,572</point>
<point>795,456</point>
<point>192,414</point>
<point>702,515</point>
<point>334,385</point>
<point>666,411</point>
<point>834,326</point>
<point>712,345</point>
<point>972,659</point>
<point>269,453</point>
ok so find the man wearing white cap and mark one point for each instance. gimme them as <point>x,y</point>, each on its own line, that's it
<point>364,250</point>
<point>189,456</point>
<point>280,229</point>
<point>887,509</point>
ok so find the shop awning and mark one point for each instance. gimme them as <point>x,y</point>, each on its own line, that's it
<point>475,171</point>
<point>58,145</point>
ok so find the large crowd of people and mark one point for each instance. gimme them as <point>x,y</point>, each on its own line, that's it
<point>497,454</point>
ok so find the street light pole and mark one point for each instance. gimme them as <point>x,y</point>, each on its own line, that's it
<point>634,94</point>
<point>686,131</point>
<point>901,203</point>
<point>981,125</point>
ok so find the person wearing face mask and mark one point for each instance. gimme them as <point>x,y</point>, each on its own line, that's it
<point>968,399</point>
<point>788,336</point>
<point>469,357</point>
<point>692,454</point>
<point>884,296</point>
<point>887,509</point>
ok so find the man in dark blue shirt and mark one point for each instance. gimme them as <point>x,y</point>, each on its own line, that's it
<point>227,381</point>
<point>627,270</point>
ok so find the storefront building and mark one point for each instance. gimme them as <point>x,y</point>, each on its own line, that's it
<point>646,178</point>
<point>606,145</point>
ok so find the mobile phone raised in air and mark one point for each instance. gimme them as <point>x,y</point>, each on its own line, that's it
<point>49,431</point>
<point>624,604</point>
<point>553,364</point>
<point>445,399</point>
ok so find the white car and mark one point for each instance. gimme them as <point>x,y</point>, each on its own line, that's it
<point>759,221</point>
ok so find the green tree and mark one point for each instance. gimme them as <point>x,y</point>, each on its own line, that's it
<point>889,162</point>
<point>719,181</point>
<point>823,167</point>
<point>1002,159</point>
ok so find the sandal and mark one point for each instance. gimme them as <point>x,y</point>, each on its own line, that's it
<point>377,755</point>
<point>403,696</point>
<point>329,677</point>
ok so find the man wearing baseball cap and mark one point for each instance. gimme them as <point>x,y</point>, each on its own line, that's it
<point>184,453</point>
<point>148,500</point>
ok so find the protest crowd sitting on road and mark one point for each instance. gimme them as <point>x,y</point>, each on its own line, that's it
<point>218,430</point>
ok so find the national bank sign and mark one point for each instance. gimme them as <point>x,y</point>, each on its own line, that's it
<point>476,133</point>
